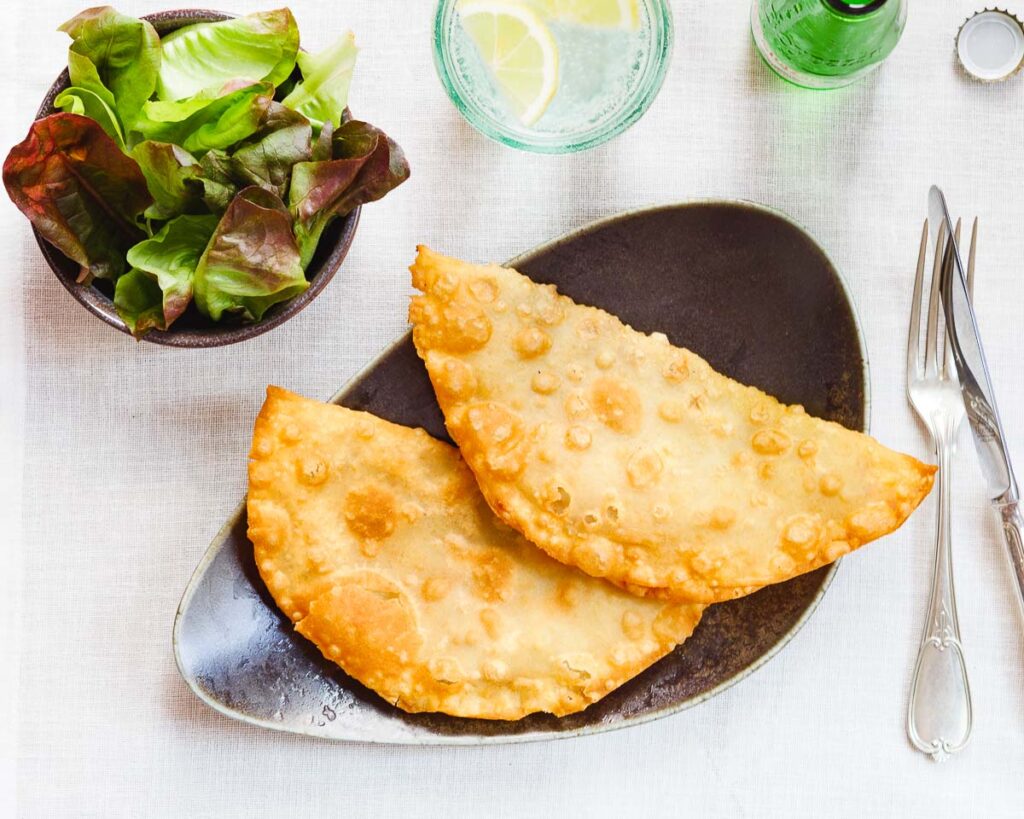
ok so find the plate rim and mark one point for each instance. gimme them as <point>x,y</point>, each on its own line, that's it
<point>216,545</point>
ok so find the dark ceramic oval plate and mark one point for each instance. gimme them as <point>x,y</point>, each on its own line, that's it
<point>192,329</point>
<point>740,284</point>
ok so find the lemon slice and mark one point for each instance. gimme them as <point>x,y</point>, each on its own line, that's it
<point>519,51</point>
<point>599,13</point>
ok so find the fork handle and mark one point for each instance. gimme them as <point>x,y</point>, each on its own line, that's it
<point>1013,534</point>
<point>939,714</point>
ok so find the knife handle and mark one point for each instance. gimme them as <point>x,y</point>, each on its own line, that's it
<point>1013,533</point>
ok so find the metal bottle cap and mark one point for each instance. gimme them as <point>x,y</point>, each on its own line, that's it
<point>990,45</point>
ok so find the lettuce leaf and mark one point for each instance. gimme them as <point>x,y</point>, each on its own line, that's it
<point>116,53</point>
<point>251,262</point>
<point>322,94</point>
<point>186,133</point>
<point>218,186</point>
<point>79,190</point>
<point>139,302</point>
<point>173,177</point>
<point>266,159</point>
<point>158,288</point>
<point>323,147</point>
<point>158,113</point>
<point>96,105</point>
<point>258,48</point>
<point>209,121</point>
<point>366,165</point>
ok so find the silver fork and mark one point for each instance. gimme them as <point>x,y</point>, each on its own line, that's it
<point>939,713</point>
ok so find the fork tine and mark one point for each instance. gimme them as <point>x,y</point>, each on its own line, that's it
<point>970,260</point>
<point>914,333</point>
<point>956,231</point>
<point>932,329</point>
<point>947,354</point>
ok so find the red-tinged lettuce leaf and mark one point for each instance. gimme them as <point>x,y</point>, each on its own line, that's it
<point>366,165</point>
<point>266,158</point>
<point>251,262</point>
<point>208,122</point>
<point>158,288</point>
<point>79,190</point>
<point>322,94</point>
<point>117,53</point>
<point>218,186</point>
<point>259,47</point>
<point>173,177</point>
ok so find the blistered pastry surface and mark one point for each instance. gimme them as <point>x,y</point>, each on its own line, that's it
<point>634,460</point>
<point>374,539</point>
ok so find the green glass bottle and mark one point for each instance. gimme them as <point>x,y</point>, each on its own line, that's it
<point>826,43</point>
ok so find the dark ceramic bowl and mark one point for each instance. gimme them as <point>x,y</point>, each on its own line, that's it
<point>193,329</point>
<point>738,283</point>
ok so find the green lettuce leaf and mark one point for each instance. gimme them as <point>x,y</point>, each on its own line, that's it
<point>139,302</point>
<point>366,165</point>
<point>251,262</point>
<point>173,177</point>
<point>95,105</point>
<point>258,47</point>
<point>159,113</point>
<point>79,190</point>
<point>217,123</point>
<point>117,53</point>
<point>322,94</point>
<point>323,147</point>
<point>158,288</point>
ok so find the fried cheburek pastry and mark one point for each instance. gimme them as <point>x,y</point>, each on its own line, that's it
<point>634,460</point>
<point>374,539</point>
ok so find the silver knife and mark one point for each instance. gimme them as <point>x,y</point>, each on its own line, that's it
<point>976,390</point>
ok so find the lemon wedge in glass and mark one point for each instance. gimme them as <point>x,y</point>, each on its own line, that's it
<point>600,13</point>
<point>519,51</point>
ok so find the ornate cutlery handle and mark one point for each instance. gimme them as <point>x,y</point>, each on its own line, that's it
<point>939,715</point>
<point>1013,532</point>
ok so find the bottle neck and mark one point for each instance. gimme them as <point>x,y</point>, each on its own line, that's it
<point>853,8</point>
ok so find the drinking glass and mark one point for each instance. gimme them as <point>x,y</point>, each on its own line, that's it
<point>607,74</point>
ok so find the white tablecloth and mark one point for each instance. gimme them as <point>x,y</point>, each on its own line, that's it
<point>120,459</point>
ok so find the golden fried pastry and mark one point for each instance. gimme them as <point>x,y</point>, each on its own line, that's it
<point>374,539</point>
<point>634,460</point>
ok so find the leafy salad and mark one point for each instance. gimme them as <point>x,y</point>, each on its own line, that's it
<point>198,167</point>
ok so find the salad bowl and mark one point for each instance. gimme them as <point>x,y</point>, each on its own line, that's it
<point>193,329</point>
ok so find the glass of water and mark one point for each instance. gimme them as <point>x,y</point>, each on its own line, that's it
<point>552,76</point>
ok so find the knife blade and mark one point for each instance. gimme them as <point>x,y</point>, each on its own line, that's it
<point>976,389</point>
<point>969,359</point>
